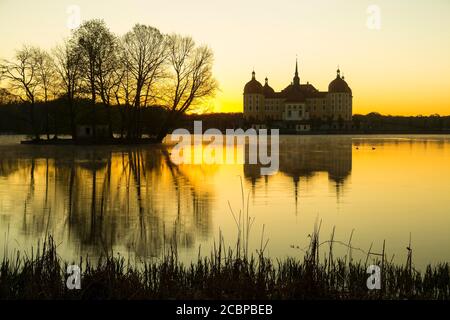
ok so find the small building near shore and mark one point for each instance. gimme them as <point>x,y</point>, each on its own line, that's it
<point>86,131</point>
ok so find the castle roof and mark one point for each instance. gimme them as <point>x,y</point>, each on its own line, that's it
<point>294,93</point>
<point>339,85</point>
<point>300,92</point>
<point>253,86</point>
<point>268,90</point>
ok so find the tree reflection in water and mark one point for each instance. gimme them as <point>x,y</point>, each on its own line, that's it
<point>99,198</point>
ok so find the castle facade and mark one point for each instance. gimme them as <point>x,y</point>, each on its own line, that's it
<point>298,107</point>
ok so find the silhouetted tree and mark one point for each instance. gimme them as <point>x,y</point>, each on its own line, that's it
<point>46,74</point>
<point>97,45</point>
<point>107,78</point>
<point>23,78</point>
<point>144,52</point>
<point>143,68</point>
<point>190,79</point>
<point>123,92</point>
<point>68,67</point>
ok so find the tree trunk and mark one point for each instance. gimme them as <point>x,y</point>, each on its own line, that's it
<point>167,124</point>
<point>161,135</point>
<point>33,121</point>
<point>94,114</point>
<point>122,122</point>
<point>108,113</point>
<point>73,129</point>
<point>47,120</point>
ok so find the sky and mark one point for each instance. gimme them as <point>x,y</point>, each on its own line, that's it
<point>395,55</point>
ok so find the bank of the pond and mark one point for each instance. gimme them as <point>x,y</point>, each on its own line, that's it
<point>223,275</point>
<point>87,142</point>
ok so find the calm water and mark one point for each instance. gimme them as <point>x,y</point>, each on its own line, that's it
<point>135,201</point>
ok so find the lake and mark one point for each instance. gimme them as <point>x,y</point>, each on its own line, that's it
<point>134,201</point>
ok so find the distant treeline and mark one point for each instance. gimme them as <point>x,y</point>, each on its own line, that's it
<point>14,118</point>
<point>375,122</point>
<point>370,123</point>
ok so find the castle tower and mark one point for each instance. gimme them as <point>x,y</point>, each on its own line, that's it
<point>254,100</point>
<point>340,102</point>
<point>296,79</point>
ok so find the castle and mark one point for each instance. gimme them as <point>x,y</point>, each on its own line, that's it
<point>298,107</point>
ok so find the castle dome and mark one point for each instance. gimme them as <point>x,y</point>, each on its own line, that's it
<point>253,86</point>
<point>339,85</point>
<point>268,90</point>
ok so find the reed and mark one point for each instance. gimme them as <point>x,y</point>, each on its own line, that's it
<point>226,273</point>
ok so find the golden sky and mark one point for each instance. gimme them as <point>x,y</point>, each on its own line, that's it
<point>401,68</point>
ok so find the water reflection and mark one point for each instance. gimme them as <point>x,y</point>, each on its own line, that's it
<point>305,156</point>
<point>100,198</point>
<point>134,200</point>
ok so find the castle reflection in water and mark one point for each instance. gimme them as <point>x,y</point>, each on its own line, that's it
<point>134,198</point>
<point>305,156</point>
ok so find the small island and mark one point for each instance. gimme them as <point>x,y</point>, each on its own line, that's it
<point>99,87</point>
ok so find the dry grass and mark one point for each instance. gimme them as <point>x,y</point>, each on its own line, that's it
<point>226,274</point>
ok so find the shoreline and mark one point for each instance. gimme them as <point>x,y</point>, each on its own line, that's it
<point>151,141</point>
<point>225,274</point>
<point>89,142</point>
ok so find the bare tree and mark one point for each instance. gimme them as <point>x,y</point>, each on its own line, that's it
<point>144,54</point>
<point>46,74</point>
<point>191,80</point>
<point>68,67</point>
<point>22,75</point>
<point>107,77</point>
<point>97,45</point>
<point>123,93</point>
